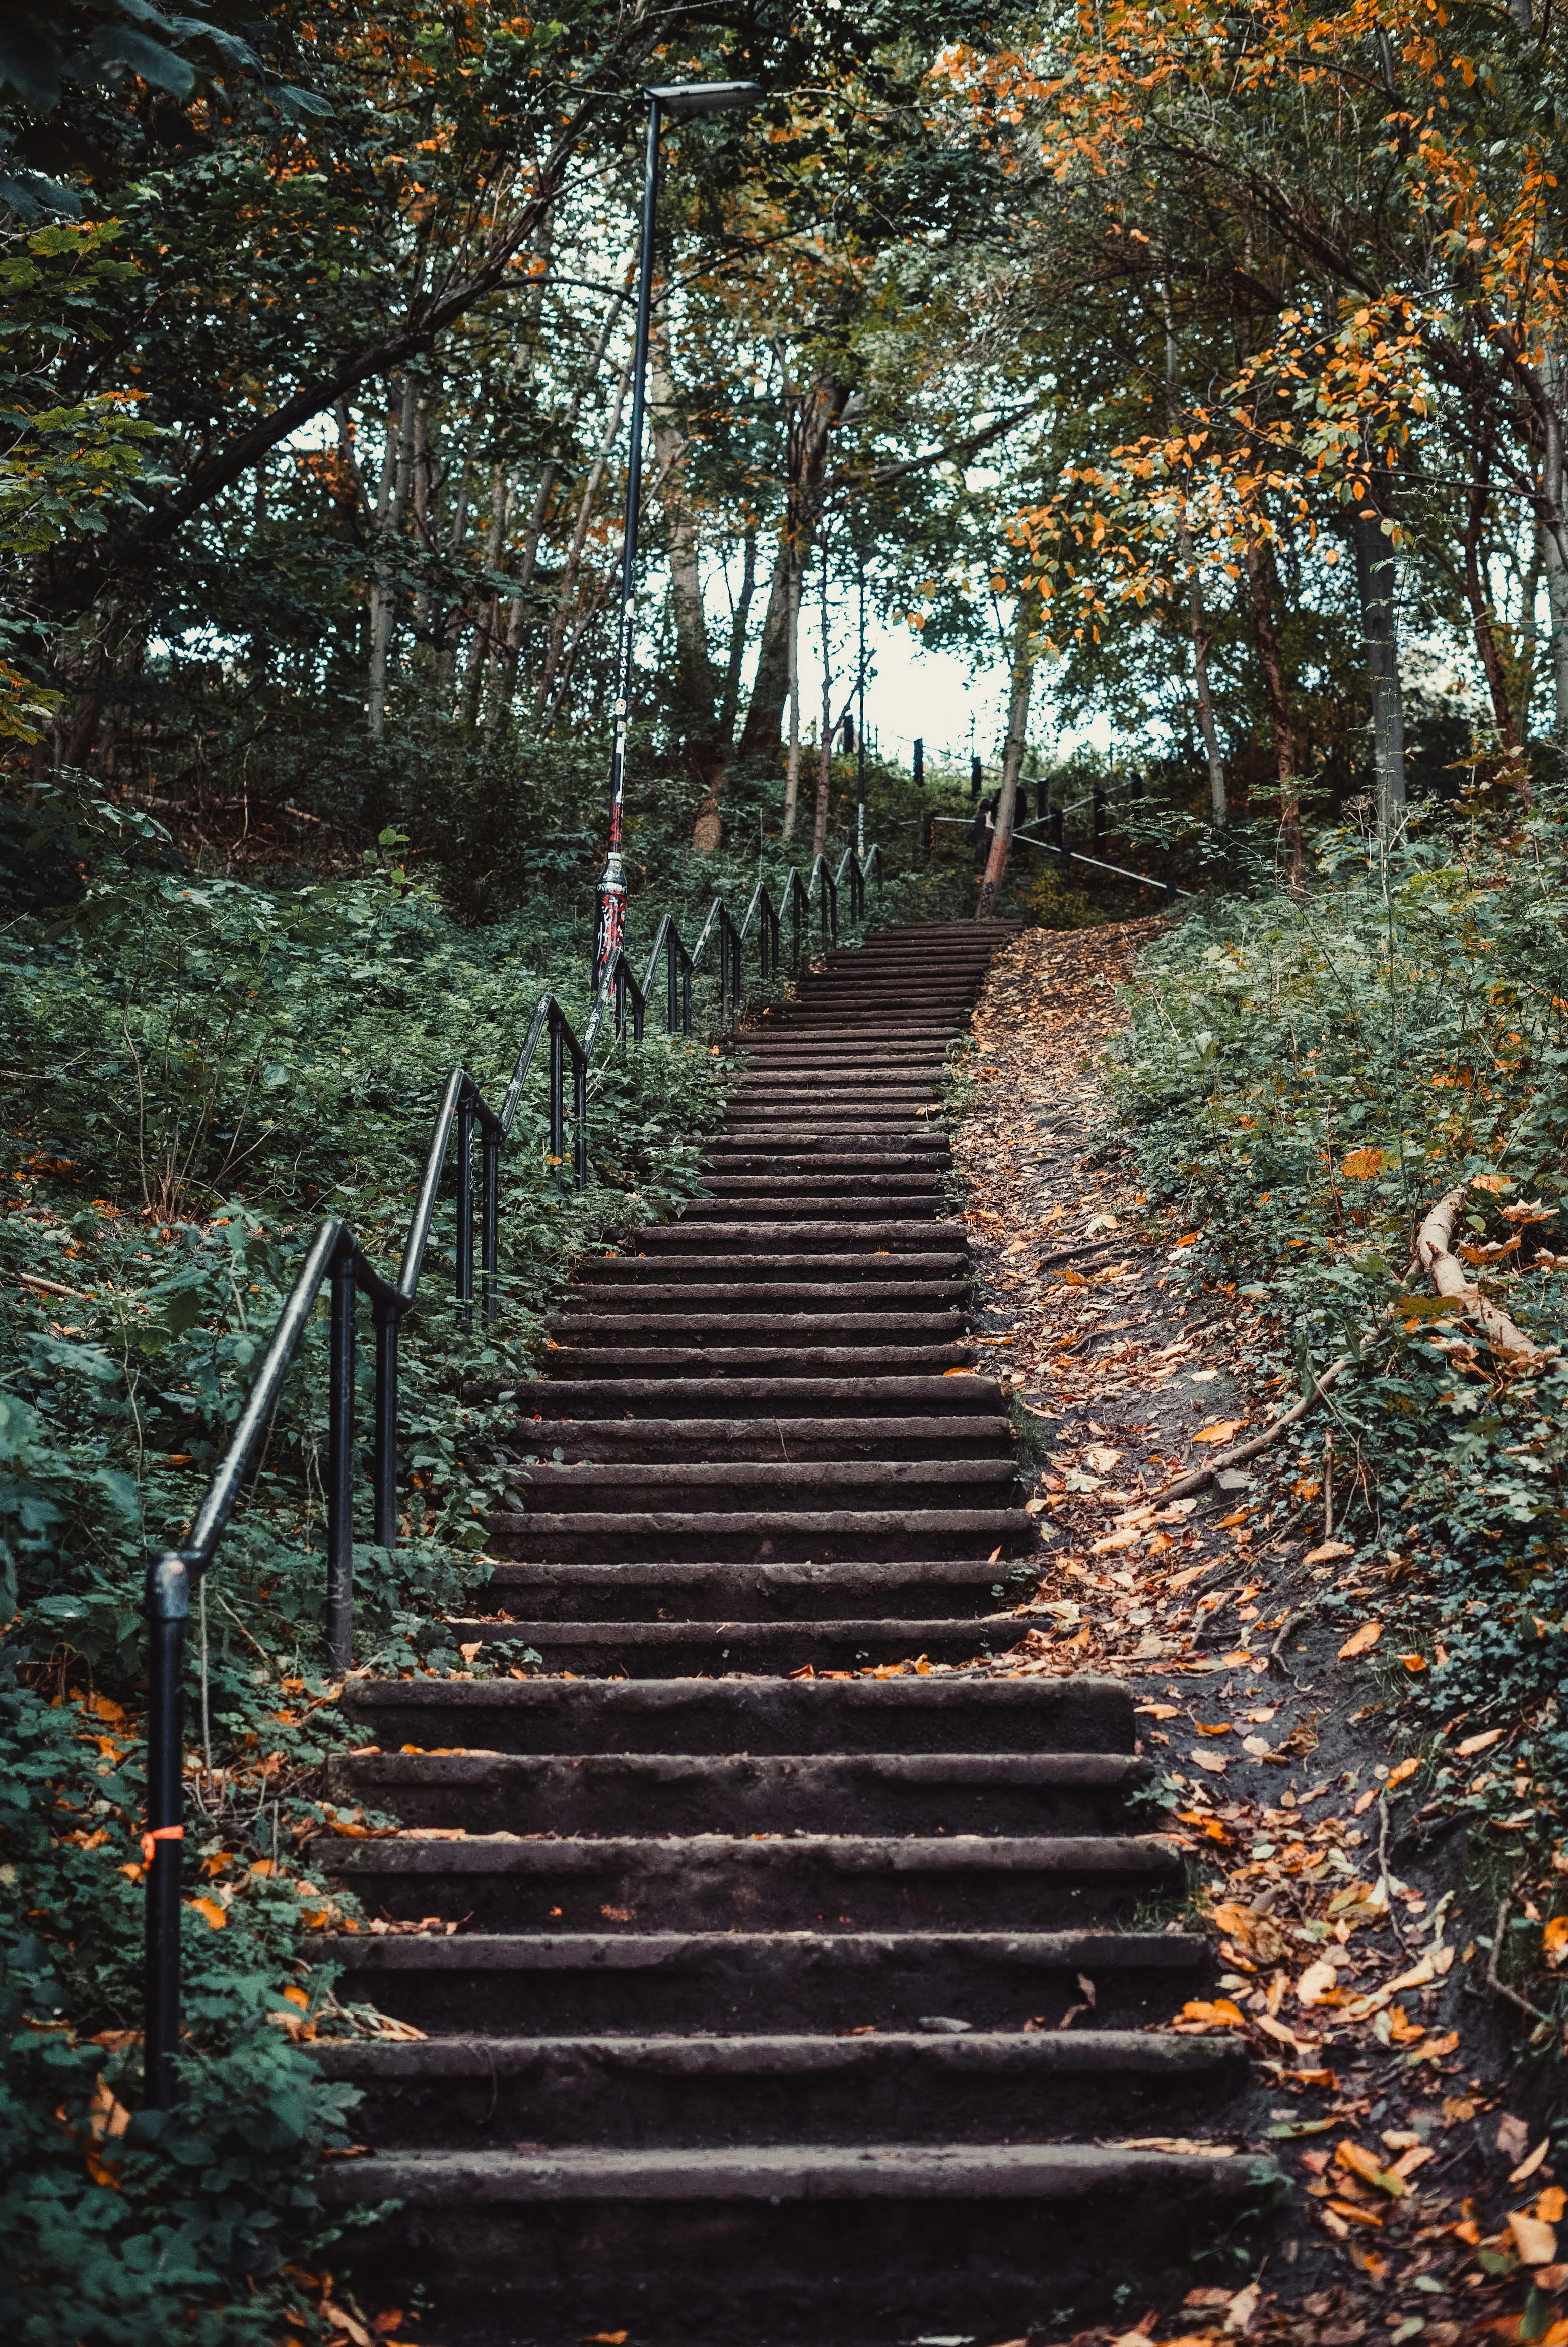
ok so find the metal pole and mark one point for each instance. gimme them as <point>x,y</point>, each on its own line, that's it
<point>340,1463</point>
<point>167,1607</point>
<point>490,1215</point>
<point>385,1468</point>
<point>610,924</point>
<point>920,762</point>
<point>466,1207</point>
<point>860,729</point>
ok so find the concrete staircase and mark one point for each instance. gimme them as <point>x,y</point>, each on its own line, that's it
<point>750,2030</point>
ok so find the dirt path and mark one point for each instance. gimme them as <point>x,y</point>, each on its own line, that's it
<point>1341,1947</point>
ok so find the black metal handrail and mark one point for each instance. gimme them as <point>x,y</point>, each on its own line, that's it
<point>1070,855</point>
<point>337,1260</point>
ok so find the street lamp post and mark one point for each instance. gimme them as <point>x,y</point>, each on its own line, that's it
<point>675,100</point>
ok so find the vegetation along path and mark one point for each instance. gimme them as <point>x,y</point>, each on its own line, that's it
<point>767,1922</point>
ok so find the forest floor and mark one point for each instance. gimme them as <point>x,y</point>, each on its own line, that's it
<point>1350,1941</point>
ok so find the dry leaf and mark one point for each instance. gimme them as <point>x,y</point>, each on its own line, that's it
<point>1371,2170</point>
<point>1242,2307</point>
<point>607,2338</point>
<point>1554,1942</point>
<point>1527,2167</point>
<point>1397,1775</point>
<point>1549,2208</point>
<point>1326,1549</point>
<point>1361,1164</point>
<point>1317,1985</point>
<point>1361,1641</point>
<point>345,2323</point>
<point>213,1912</point>
<point>1223,1430</point>
<point>1512,2137</point>
<point>1482,1743</point>
<point>1536,2242</point>
<point>1222,2013</point>
<point>469,1652</point>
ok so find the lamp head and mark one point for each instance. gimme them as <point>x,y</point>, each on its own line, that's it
<point>684,98</point>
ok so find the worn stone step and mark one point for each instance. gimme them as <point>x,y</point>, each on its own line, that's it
<point>951,1436</point>
<point>660,1589</point>
<point>921,1188</point>
<point>716,1882</point>
<point>637,1272</point>
<point>746,1792</point>
<point>787,1358</point>
<point>1081,1713</point>
<point>834,2245</point>
<point>805,1237</point>
<point>730,1485</point>
<point>663,2092</point>
<point>644,1647</point>
<point>747,1283</point>
<point>743,1536</point>
<point>539,1984</point>
<point>967,1393</point>
<point>621,1331</point>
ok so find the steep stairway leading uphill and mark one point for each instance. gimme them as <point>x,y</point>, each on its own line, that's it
<point>750,2026</point>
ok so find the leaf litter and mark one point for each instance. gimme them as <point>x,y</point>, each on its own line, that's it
<point>1420,2210</point>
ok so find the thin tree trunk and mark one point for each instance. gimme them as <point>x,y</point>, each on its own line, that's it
<point>740,620</point>
<point>1375,580</point>
<point>792,777</point>
<point>807,466</point>
<point>391,503</point>
<point>1477,592</point>
<point>1197,621</point>
<point>579,537</point>
<point>1278,705</point>
<point>824,754</point>
<point>482,640</point>
<point>1012,753</point>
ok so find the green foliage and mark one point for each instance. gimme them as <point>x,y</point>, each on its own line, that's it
<point>196,1070</point>
<point>1305,1080</point>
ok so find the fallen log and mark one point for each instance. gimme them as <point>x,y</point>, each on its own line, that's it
<point>1434,1252</point>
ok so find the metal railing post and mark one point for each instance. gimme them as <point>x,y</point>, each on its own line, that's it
<point>579,1118</point>
<point>489,1215</point>
<point>386,1316</point>
<point>465,1206</point>
<point>340,1462</point>
<point>558,1080</point>
<point>167,1606</point>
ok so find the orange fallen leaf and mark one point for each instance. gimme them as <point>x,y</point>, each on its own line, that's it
<point>213,1912</point>
<point>1220,2013</point>
<point>1326,1549</point>
<point>1369,2169</point>
<point>1482,1743</point>
<point>1535,2242</point>
<point>1316,1986</point>
<point>1549,2208</point>
<point>1527,2167</point>
<point>1414,1663</point>
<point>1405,1769</point>
<point>1222,1431</point>
<point>1361,1164</point>
<point>607,2338</point>
<point>1361,1641</point>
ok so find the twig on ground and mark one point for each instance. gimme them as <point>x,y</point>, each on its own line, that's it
<point>1198,1476</point>
<point>1398,1929</point>
<point>1434,1250</point>
<point>53,1287</point>
<point>1511,1995</point>
<point>1086,1247</point>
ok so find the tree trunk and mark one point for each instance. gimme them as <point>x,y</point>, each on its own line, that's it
<point>1376,581</point>
<point>1477,592</point>
<point>1278,705</point>
<point>483,639</point>
<point>1012,753</point>
<point>808,465</point>
<point>391,499</point>
<point>579,539</point>
<point>740,620</point>
<point>792,778</point>
<point>825,751</point>
<point>1196,618</point>
<point>696,687</point>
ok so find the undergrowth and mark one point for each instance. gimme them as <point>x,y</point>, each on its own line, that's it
<point>195,1071</point>
<point>1303,1080</point>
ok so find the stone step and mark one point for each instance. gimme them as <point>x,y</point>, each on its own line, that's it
<point>660,1589</point>
<point>677,1648</point>
<point>705,1363</point>
<point>637,1272</point>
<point>950,1437</point>
<point>804,1237</point>
<point>740,1536</point>
<point>588,1330</point>
<point>1079,1713</point>
<point>730,1485</point>
<point>668,2093</point>
<point>541,1985</point>
<point>746,1792</point>
<point>834,2244</point>
<point>672,1398</point>
<point>744,1283</point>
<point>713,1882</point>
